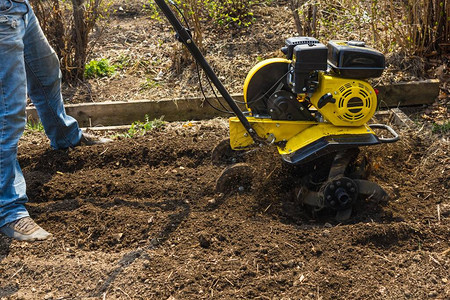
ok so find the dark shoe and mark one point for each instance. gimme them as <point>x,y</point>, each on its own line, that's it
<point>25,229</point>
<point>89,140</point>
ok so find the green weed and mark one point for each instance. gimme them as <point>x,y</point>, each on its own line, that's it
<point>441,128</point>
<point>152,9</point>
<point>99,68</point>
<point>139,128</point>
<point>34,126</point>
<point>223,12</point>
<point>231,12</point>
<point>149,84</point>
<point>122,61</point>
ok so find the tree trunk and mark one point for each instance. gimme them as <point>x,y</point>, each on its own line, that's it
<point>294,4</point>
<point>80,39</point>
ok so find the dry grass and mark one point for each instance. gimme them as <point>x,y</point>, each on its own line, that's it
<point>414,27</point>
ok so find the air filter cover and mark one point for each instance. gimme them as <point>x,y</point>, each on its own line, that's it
<point>351,59</point>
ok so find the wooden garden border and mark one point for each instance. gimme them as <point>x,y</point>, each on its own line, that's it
<point>124,113</point>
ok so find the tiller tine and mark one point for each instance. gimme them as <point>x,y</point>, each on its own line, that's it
<point>339,192</point>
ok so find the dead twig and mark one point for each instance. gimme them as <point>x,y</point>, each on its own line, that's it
<point>446,252</point>
<point>289,245</point>
<point>123,292</point>
<point>439,213</point>
<point>168,277</point>
<point>18,271</point>
<point>270,174</point>
<point>434,260</point>
<point>229,281</point>
<point>104,151</point>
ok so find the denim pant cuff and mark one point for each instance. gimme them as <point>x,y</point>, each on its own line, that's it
<point>16,214</point>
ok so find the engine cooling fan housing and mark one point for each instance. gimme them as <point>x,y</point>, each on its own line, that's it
<point>354,101</point>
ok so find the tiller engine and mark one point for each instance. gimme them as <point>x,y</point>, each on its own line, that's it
<point>313,105</point>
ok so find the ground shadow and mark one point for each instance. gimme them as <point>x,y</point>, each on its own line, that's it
<point>4,247</point>
<point>174,221</point>
<point>8,290</point>
<point>180,209</point>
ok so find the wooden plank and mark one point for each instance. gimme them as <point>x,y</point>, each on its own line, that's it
<point>401,119</point>
<point>122,113</point>
<point>397,116</point>
<point>387,114</point>
<point>408,93</point>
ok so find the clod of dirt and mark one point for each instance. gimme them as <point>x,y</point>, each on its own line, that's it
<point>204,240</point>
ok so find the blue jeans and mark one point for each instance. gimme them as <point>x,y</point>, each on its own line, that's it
<point>27,65</point>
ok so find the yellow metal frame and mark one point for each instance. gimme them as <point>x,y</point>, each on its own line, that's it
<point>295,134</point>
<point>276,131</point>
<point>320,130</point>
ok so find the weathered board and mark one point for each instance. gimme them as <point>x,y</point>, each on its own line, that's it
<point>122,113</point>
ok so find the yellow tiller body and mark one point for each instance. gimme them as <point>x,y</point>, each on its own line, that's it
<point>355,103</point>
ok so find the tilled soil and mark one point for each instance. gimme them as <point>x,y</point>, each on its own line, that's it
<point>139,219</point>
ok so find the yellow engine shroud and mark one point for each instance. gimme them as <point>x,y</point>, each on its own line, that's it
<point>355,100</point>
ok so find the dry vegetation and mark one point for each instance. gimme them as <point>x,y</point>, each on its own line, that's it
<point>234,34</point>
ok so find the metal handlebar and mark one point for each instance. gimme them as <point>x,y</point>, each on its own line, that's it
<point>393,139</point>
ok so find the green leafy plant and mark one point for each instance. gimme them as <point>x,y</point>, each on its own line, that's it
<point>152,9</point>
<point>122,61</point>
<point>34,126</point>
<point>68,25</point>
<point>149,84</point>
<point>441,128</point>
<point>223,12</point>
<point>99,68</point>
<point>139,128</point>
<point>231,12</point>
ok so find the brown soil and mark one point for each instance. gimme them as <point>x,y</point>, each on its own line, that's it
<point>138,218</point>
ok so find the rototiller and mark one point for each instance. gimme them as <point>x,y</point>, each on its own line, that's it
<point>313,105</point>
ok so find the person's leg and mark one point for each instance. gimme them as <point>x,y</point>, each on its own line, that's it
<point>12,110</point>
<point>44,87</point>
<point>14,218</point>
